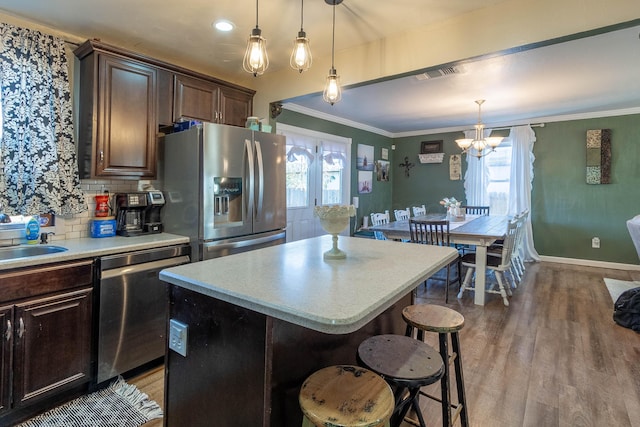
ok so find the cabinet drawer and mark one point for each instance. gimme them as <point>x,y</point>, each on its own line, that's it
<point>29,282</point>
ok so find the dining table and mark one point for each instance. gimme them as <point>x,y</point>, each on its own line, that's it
<point>478,230</point>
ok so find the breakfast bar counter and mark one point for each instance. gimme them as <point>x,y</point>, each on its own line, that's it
<point>260,322</point>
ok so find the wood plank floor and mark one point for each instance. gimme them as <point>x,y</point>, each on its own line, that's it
<point>553,358</point>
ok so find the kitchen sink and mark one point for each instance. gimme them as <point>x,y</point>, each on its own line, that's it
<point>24,251</point>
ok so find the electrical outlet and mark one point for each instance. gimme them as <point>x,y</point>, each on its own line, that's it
<point>178,335</point>
<point>595,243</point>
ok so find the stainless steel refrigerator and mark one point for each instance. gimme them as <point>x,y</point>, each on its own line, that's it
<point>224,187</point>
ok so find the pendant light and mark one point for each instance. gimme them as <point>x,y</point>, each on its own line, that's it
<point>479,146</point>
<point>301,54</point>
<point>256,60</point>
<point>332,90</point>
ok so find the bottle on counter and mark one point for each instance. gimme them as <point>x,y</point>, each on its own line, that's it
<point>32,230</point>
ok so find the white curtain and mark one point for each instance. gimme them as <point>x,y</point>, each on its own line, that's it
<point>476,179</point>
<point>521,183</point>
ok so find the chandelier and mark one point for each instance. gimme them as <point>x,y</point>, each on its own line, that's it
<point>479,146</point>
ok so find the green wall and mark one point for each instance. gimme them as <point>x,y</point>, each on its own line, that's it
<point>566,212</point>
<point>381,195</point>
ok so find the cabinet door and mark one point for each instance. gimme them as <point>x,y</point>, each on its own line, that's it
<point>52,345</point>
<point>235,106</point>
<point>195,99</point>
<point>165,98</point>
<point>6,319</point>
<point>127,121</point>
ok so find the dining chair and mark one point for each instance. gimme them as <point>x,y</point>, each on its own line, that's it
<point>476,210</point>
<point>378,219</point>
<point>401,214</point>
<point>419,210</point>
<point>517,267</point>
<point>497,264</point>
<point>435,233</point>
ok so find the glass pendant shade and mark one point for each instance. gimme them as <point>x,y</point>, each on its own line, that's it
<point>256,60</point>
<point>464,143</point>
<point>332,90</point>
<point>479,143</point>
<point>301,54</point>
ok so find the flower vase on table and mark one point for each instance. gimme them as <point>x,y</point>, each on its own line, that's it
<point>334,219</point>
<point>454,211</point>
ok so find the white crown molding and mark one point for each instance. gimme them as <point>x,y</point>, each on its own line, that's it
<point>548,119</point>
<point>331,118</point>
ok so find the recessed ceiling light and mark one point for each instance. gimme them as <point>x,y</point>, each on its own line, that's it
<point>223,25</point>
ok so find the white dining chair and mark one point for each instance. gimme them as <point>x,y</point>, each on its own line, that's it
<point>419,210</point>
<point>378,219</point>
<point>497,264</point>
<point>401,214</point>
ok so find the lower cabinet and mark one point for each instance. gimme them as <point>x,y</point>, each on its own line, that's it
<point>46,339</point>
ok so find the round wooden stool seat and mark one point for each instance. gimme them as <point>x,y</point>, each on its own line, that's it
<point>446,323</point>
<point>401,359</point>
<point>407,364</point>
<point>433,318</point>
<point>346,396</point>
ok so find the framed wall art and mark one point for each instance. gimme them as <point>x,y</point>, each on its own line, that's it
<point>364,161</point>
<point>431,147</point>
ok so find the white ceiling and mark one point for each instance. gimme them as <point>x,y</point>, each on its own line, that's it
<point>585,77</point>
<point>574,78</point>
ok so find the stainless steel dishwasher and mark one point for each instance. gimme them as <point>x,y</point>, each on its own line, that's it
<point>133,304</point>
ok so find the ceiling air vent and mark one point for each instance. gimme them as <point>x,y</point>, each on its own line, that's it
<point>439,72</point>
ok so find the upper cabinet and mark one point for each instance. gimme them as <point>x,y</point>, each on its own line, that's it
<point>118,116</point>
<point>125,97</point>
<point>207,101</point>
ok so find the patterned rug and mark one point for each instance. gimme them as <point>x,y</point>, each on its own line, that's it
<point>118,405</point>
<point>616,287</point>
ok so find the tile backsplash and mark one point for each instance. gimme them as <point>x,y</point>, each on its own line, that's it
<point>77,226</point>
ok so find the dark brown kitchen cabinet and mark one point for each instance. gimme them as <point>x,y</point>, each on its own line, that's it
<point>51,332</point>
<point>118,115</point>
<point>6,353</point>
<point>46,351</point>
<point>207,101</point>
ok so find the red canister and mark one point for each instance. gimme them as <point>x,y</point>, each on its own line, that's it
<point>102,205</point>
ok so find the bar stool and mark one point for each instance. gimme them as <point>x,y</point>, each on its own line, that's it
<point>345,396</point>
<point>406,364</point>
<point>445,322</point>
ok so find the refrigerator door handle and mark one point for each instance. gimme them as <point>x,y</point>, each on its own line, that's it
<point>260,177</point>
<point>251,178</point>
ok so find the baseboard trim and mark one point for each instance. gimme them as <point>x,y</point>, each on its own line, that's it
<point>591,263</point>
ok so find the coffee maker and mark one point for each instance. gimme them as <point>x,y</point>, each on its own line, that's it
<point>138,213</point>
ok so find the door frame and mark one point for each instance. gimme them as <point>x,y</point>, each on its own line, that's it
<point>283,129</point>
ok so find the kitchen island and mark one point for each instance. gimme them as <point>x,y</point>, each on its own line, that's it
<point>260,322</point>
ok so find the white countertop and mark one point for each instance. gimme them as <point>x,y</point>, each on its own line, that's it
<point>95,247</point>
<point>292,282</point>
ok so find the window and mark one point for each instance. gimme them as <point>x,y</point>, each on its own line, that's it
<point>499,165</point>
<point>298,167</point>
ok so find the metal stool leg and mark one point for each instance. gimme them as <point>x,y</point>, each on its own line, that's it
<point>462,398</point>
<point>444,382</point>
